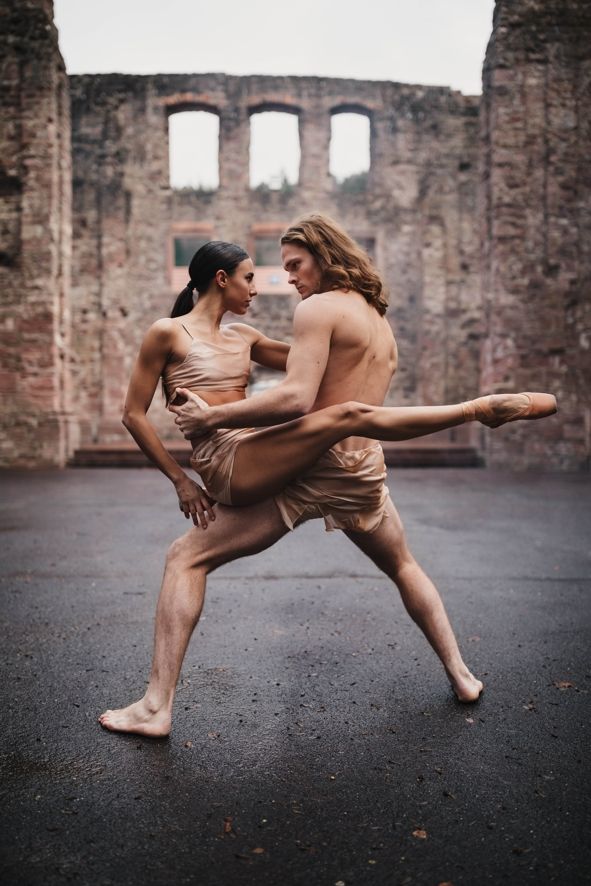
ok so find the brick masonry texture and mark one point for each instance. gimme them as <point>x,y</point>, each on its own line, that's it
<point>419,206</point>
<point>38,424</point>
<point>536,224</point>
<point>478,207</point>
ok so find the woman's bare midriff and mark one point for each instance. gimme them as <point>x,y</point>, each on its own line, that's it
<point>219,398</point>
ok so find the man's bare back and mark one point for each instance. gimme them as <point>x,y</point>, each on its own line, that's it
<point>362,357</point>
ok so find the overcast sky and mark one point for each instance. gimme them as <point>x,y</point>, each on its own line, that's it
<point>433,42</point>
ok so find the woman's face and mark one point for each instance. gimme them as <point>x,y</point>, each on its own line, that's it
<point>239,289</point>
<point>303,269</point>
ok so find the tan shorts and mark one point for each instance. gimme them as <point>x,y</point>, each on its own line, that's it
<point>345,488</point>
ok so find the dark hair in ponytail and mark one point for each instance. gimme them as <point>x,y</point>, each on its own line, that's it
<point>208,260</point>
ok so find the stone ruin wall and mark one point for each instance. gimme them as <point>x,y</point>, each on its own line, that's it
<point>521,309</point>
<point>419,205</point>
<point>536,225</point>
<point>38,425</point>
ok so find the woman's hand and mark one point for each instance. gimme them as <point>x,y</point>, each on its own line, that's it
<point>194,501</point>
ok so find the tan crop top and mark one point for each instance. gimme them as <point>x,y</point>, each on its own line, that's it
<point>210,367</point>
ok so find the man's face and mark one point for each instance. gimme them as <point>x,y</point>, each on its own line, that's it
<point>303,269</point>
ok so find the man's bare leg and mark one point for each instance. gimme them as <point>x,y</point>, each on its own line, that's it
<point>236,532</point>
<point>388,549</point>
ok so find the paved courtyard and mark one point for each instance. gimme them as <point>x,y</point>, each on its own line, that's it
<point>315,738</point>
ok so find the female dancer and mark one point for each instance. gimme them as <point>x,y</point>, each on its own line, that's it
<point>195,354</point>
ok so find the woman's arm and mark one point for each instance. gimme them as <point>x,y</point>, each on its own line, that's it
<point>152,358</point>
<point>263,350</point>
<point>270,352</point>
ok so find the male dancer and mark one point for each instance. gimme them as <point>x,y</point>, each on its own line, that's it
<point>343,349</point>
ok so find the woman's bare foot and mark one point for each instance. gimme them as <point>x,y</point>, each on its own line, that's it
<point>465,686</point>
<point>140,718</point>
<point>498,409</point>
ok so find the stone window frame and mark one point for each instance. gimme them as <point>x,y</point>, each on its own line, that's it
<point>185,228</point>
<point>345,107</point>
<point>182,102</point>
<point>265,105</point>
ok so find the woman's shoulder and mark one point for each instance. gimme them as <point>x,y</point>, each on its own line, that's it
<point>164,329</point>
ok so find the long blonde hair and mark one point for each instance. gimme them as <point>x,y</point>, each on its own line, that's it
<point>343,263</point>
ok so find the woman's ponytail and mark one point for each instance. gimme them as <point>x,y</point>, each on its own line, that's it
<point>214,256</point>
<point>184,302</point>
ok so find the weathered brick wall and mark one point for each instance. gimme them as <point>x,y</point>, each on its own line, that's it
<point>420,205</point>
<point>37,424</point>
<point>121,219</point>
<point>536,224</point>
<point>511,311</point>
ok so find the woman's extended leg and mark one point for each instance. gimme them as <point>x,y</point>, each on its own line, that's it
<point>267,460</point>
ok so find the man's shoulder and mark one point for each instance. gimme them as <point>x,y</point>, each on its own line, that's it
<point>314,307</point>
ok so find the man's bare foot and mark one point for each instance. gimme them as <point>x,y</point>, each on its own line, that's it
<point>139,718</point>
<point>465,686</point>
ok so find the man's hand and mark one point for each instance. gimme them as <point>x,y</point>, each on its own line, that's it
<point>194,501</point>
<point>193,416</point>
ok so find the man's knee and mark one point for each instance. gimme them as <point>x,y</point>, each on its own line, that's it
<point>388,548</point>
<point>184,553</point>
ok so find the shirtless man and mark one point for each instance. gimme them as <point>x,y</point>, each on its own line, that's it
<point>343,349</point>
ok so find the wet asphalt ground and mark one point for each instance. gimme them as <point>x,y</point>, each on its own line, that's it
<point>315,738</point>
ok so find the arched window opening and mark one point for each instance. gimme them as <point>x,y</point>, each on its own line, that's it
<point>194,150</point>
<point>349,158</point>
<point>274,150</point>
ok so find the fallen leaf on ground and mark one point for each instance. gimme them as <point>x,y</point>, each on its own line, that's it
<point>420,834</point>
<point>469,720</point>
<point>213,734</point>
<point>188,744</point>
<point>258,850</point>
<point>564,684</point>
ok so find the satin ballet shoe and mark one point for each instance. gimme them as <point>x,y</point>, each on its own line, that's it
<point>493,414</point>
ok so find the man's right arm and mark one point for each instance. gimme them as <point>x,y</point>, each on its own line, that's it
<point>292,397</point>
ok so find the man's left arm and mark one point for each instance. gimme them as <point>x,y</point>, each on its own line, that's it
<point>293,397</point>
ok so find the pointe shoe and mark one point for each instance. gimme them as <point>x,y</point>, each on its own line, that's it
<point>492,414</point>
